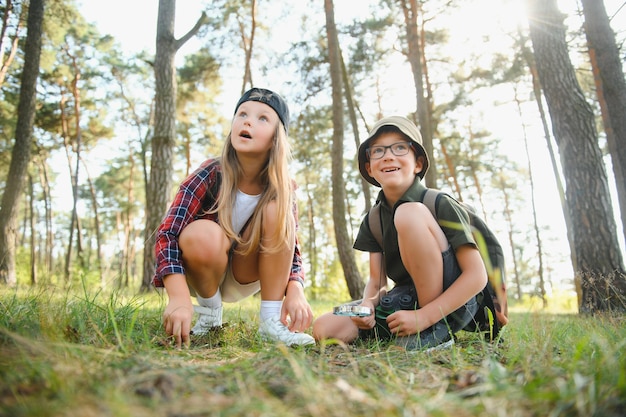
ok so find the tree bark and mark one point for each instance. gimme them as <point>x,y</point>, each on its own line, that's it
<point>75,145</point>
<point>365,186</point>
<point>45,187</point>
<point>531,181</point>
<point>502,184</point>
<point>20,156</point>
<point>417,60</point>
<point>599,260</point>
<point>6,63</point>
<point>532,67</point>
<point>247,42</point>
<point>33,232</point>
<point>611,91</point>
<point>96,219</point>
<point>164,137</point>
<point>344,244</point>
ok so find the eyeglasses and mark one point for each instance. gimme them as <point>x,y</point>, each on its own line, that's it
<point>398,149</point>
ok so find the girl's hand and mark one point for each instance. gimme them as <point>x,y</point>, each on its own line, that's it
<point>297,308</point>
<point>177,320</point>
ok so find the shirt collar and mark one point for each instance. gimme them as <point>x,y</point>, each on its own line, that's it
<point>412,194</point>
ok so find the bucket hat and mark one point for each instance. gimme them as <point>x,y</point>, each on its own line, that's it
<point>405,126</point>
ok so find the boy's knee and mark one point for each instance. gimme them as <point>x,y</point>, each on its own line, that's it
<point>321,325</point>
<point>415,219</point>
<point>410,215</point>
<point>318,329</point>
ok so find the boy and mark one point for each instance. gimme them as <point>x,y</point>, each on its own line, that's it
<point>437,270</point>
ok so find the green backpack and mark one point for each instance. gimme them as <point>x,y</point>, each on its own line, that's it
<point>493,312</point>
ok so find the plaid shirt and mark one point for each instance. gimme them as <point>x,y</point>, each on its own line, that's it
<point>195,196</point>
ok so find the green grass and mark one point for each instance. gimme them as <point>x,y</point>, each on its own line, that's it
<point>84,353</point>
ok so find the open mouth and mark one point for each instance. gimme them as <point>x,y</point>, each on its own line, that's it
<point>390,169</point>
<point>245,134</point>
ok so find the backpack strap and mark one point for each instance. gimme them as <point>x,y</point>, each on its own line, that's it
<point>375,224</point>
<point>430,200</point>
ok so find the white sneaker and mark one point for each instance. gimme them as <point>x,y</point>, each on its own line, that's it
<point>274,331</point>
<point>207,319</point>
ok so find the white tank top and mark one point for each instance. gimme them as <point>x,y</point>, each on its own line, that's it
<point>243,209</point>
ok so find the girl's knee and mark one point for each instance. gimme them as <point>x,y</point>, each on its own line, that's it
<point>271,220</point>
<point>202,240</point>
<point>271,216</point>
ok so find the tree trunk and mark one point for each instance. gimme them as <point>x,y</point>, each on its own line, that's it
<point>344,243</point>
<point>78,146</point>
<point>74,221</point>
<point>530,61</point>
<point>161,165</point>
<point>96,218</point>
<point>502,184</point>
<point>247,43</point>
<point>45,186</point>
<point>365,186</point>
<point>599,260</point>
<point>33,232</point>
<point>611,91</point>
<point>473,157</point>
<point>128,221</point>
<point>416,58</point>
<point>6,63</point>
<point>312,236</point>
<point>542,285</point>
<point>454,180</point>
<point>161,169</point>
<point>20,156</point>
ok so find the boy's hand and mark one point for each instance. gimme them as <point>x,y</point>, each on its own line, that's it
<point>403,322</point>
<point>177,320</point>
<point>367,322</point>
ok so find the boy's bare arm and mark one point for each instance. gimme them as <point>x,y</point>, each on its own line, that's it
<point>377,283</point>
<point>472,280</point>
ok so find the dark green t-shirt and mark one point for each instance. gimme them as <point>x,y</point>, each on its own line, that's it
<point>448,211</point>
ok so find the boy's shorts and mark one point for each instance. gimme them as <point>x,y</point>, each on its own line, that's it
<point>455,321</point>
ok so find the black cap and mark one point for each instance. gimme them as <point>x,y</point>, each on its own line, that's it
<point>270,98</point>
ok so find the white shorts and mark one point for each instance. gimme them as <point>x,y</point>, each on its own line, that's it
<point>233,291</point>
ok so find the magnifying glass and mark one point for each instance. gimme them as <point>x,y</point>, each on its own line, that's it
<point>352,311</point>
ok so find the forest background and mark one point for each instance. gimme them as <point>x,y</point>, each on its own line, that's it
<point>82,216</point>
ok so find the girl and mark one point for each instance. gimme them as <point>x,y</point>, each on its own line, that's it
<point>437,270</point>
<point>231,231</point>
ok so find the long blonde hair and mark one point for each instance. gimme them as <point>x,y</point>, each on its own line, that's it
<point>278,187</point>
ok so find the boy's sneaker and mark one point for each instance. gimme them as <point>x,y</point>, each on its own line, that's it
<point>444,345</point>
<point>208,318</point>
<point>436,337</point>
<point>274,331</point>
